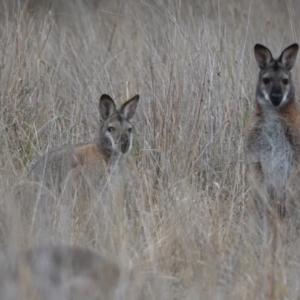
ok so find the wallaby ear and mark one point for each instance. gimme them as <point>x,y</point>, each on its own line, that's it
<point>129,107</point>
<point>106,106</point>
<point>289,55</point>
<point>263,56</point>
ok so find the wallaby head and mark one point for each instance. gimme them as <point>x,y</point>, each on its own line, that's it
<point>275,87</point>
<point>115,136</point>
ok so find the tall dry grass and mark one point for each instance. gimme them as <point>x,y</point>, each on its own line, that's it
<point>192,63</point>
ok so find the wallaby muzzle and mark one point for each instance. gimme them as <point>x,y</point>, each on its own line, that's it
<point>125,145</point>
<point>276,98</point>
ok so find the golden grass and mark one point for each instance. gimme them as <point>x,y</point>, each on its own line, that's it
<point>192,63</point>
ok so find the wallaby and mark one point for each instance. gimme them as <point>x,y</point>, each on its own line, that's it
<point>273,136</point>
<point>58,272</point>
<point>109,154</point>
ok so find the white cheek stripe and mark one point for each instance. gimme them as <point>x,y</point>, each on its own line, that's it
<point>284,98</point>
<point>130,144</point>
<point>112,140</point>
<point>266,95</point>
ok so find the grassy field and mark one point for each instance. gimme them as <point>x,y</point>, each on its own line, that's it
<point>192,64</point>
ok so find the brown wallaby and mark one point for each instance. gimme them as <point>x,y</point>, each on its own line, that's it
<point>58,272</point>
<point>273,137</point>
<point>110,153</point>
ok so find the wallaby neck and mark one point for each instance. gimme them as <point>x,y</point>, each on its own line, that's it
<point>112,157</point>
<point>284,111</point>
<point>106,154</point>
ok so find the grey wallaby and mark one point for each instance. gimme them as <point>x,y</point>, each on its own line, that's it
<point>110,151</point>
<point>273,135</point>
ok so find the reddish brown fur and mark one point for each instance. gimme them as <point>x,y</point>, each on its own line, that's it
<point>290,118</point>
<point>90,158</point>
<point>88,154</point>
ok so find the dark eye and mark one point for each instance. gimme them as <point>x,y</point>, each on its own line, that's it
<point>266,80</point>
<point>129,129</point>
<point>110,129</point>
<point>285,81</point>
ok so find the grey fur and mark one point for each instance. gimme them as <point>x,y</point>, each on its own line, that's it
<point>273,137</point>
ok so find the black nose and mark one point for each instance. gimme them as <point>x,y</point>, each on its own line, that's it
<point>276,98</point>
<point>125,146</point>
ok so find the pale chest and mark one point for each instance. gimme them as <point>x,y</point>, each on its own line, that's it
<point>273,148</point>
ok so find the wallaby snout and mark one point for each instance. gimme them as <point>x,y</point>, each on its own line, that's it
<point>276,98</point>
<point>125,145</point>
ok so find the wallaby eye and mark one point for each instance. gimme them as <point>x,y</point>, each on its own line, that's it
<point>110,129</point>
<point>129,129</point>
<point>266,80</point>
<point>285,81</point>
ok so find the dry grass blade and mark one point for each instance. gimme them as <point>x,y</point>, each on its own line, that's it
<point>189,233</point>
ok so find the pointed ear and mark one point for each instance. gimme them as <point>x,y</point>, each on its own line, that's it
<point>106,106</point>
<point>263,56</point>
<point>129,107</point>
<point>288,56</point>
